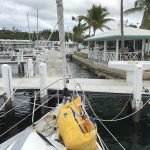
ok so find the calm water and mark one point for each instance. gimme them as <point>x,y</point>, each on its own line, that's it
<point>131,136</point>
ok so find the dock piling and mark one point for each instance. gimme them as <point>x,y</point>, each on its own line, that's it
<point>7,80</point>
<point>134,77</point>
<point>8,87</point>
<point>43,85</point>
<point>137,102</point>
<point>29,68</point>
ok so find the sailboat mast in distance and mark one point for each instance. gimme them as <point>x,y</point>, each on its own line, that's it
<point>37,27</point>
<point>29,29</point>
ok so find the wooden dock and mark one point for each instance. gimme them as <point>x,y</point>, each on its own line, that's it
<point>87,85</point>
<point>54,73</point>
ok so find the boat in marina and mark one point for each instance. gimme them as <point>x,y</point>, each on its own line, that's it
<point>66,126</point>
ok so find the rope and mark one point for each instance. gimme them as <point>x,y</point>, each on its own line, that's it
<point>122,108</point>
<point>127,115</point>
<point>99,119</point>
<point>26,116</point>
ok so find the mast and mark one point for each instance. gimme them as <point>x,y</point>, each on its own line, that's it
<point>122,30</point>
<point>60,17</point>
<point>37,28</point>
<point>29,29</point>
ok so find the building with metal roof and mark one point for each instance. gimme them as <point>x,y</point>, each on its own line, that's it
<point>134,36</point>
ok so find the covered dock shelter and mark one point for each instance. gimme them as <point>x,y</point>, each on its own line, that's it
<point>107,45</point>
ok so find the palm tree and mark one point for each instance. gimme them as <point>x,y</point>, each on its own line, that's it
<point>141,5</point>
<point>96,18</point>
<point>78,32</point>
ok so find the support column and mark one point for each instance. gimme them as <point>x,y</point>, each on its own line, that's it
<point>37,64</point>
<point>134,44</point>
<point>43,57</point>
<point>89,50</point>
<point>105,50</point>
<point>148,46</point>
<point>29,66</point>
<point>43,84</point>
<point>137,91</point>
<point>143,48</point>
<point>21,55</point>
<point>18,61</point>
<point>117,49</point>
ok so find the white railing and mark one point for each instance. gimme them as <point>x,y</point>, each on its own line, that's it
<point>100,55</point>
<point>91,54</point>
<point>96,55</point>
<point>110,56</point>
<point>130,56</point>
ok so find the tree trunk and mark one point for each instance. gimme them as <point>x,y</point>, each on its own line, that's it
<point>146,19</point>
<point>122,31</point>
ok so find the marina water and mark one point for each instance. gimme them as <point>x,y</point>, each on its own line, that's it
<point>132,136</point>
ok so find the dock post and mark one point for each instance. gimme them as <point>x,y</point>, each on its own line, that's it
<point>29,68</point>
<point>43,57</point>
<point>43,85</point>
<point>7,80</point>
<point>18,60</point>
<point>21,55</point>
<point>137,91</point>
<point>37,64</point>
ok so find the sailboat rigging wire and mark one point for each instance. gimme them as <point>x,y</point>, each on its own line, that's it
<point>14,90</point>
<point>53,29</point>
<point>33,103</point>
<point>111,134</point>
<point>97,118</point>
<point>27,116</point>
<point>11,109</point>
<point>38,93</point>
<point>103,145</point>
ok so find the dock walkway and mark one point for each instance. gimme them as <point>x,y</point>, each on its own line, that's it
<point>54,73</point>
<point>87,85</point>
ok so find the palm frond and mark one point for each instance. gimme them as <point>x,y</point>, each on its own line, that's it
<point>108,20</point>
<point>106,27</point>
<point>133,10</point>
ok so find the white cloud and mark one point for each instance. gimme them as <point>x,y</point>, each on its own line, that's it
<point>13,12</point>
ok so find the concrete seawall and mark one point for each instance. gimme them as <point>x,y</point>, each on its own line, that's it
<point>99,67</point>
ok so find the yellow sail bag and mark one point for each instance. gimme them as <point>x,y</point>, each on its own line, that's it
<point>76,129</point>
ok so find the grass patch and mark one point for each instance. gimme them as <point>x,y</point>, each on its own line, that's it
<point>83,55</point>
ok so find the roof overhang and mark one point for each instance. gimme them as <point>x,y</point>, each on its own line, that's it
<point>129,34</point>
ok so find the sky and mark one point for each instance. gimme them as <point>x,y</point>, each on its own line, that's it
<point>14,13</point>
